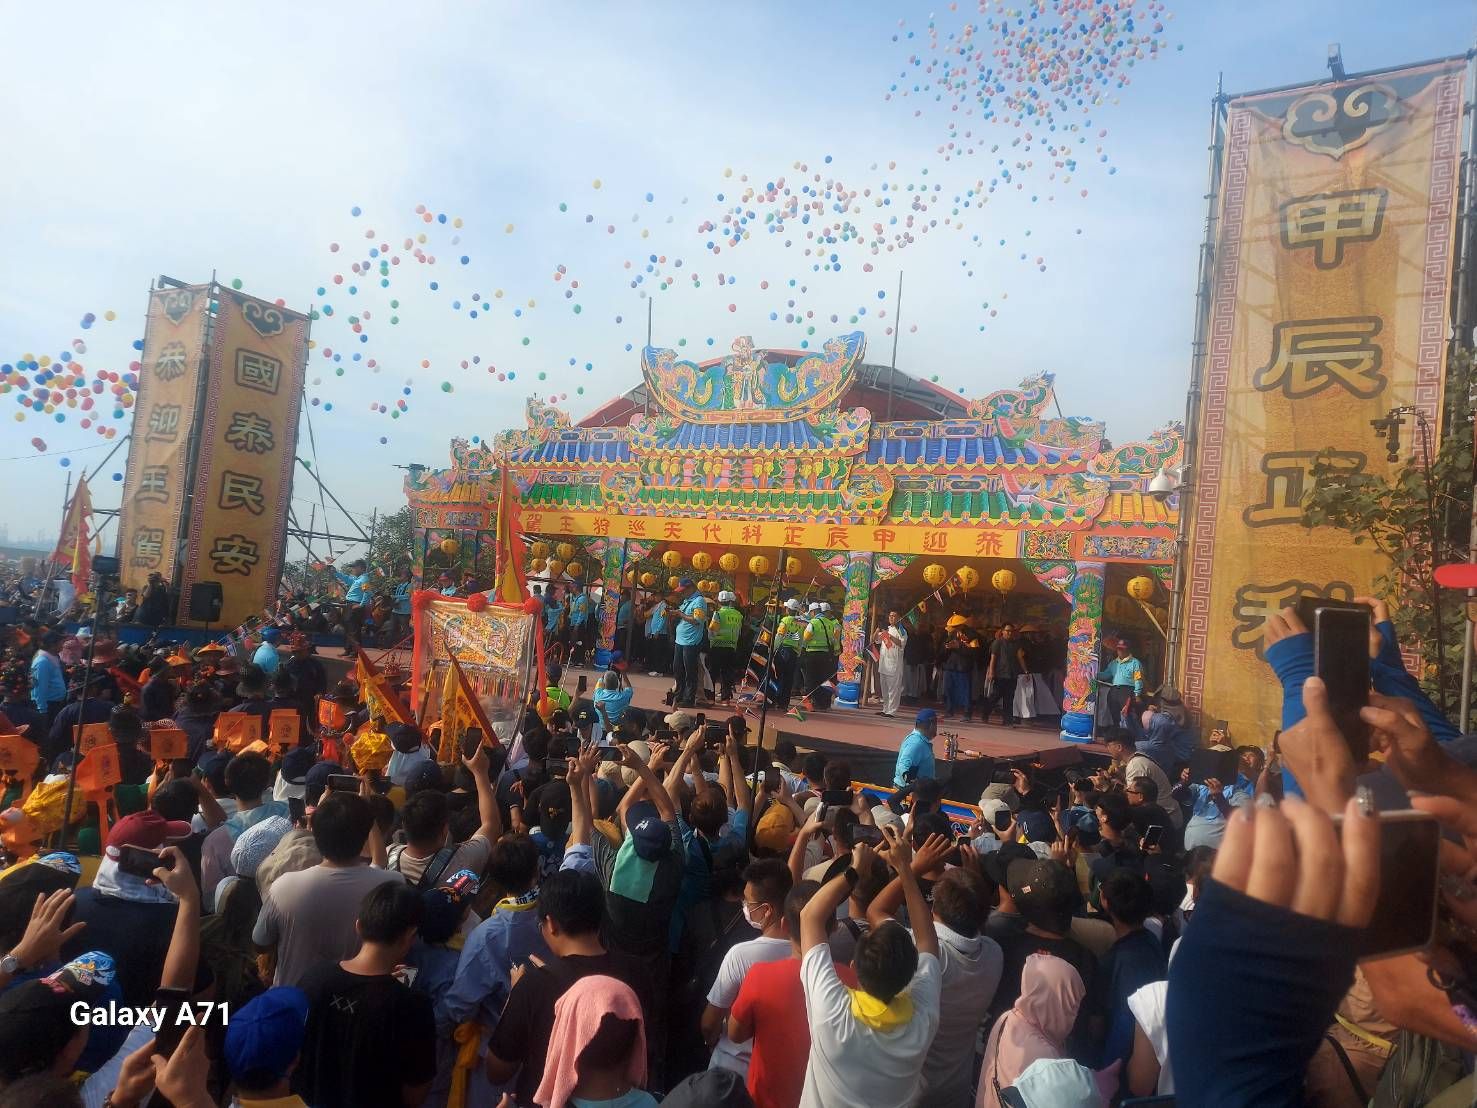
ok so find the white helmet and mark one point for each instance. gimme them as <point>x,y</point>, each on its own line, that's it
<point>792,605</point>
<point>814,606</point>
<point>825,607</point>
<point>726,597</point>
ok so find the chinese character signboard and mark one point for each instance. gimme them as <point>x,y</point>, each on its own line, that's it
<point>169,379</point>
<point>1328,308</point>
<point>243,479</point>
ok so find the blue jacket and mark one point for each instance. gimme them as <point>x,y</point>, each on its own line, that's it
<point>1168,743</point>
<point>48,685</point>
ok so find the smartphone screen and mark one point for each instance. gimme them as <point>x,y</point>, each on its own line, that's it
<point>866,833</point>
<point>609,754</point>
<point>1405,913</point>
<point>1152,834</point>
<point>139,862</point>
<point>343,783</point>
<point>839,797</point>
<point>1002,819</point>
<point>471,740</point>
<point>1341,659</point>
<point>296,808</point>
<point>557,767</point>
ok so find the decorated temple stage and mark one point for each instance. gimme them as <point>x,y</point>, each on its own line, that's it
<point>817,473</point>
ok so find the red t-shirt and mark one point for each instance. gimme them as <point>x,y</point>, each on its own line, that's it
<point>772,1001</point>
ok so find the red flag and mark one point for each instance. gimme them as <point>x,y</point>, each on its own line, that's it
<point>510,587</point>
<point>377,693</point>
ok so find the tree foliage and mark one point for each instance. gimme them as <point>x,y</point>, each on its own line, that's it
<point>1416,524</point>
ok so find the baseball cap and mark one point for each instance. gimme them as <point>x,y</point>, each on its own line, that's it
<point>147,829</point>
<point>775,828</point>
<point>36,1016</point>
<point>446,904</point>
<point>404,738</point>
<point>426,775</point>
<point>584,716</point>
<point>925,716</point>
<point>650,837</point>
<point>1044,892</point>
<point>680,721</point>
<point>271,634</point>
<point>714,1088</point>
<point>296,763</point>
<point>316,779</point>
<point>997,863</point>
<point>726,595</point>
<point>793,604</point>
<point>265,1034</point>
<point>991,807</point>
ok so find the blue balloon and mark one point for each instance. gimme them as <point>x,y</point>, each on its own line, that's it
<point>355,210</point>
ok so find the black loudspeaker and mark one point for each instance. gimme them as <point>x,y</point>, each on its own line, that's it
<point>205,602</point>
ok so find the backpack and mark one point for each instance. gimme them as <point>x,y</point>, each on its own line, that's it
<point>436,865</point>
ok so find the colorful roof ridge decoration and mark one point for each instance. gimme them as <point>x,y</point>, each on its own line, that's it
<point>762,437</point>
<point>760,386</point>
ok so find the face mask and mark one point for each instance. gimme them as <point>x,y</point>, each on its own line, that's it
<point>749,918</point>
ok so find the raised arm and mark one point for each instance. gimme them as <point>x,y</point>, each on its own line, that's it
<point>929,857</point>
<point>820,910</point>
<point>644,775</point>
<point>742,792</point>
<point>578,774</point>
<point>899,855</point>
<point>183,955</point>
<point>491,826</point>
<point>808,831</point>
<point>690,750</point>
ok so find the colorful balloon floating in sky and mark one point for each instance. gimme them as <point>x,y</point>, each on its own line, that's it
<point>61,388</point>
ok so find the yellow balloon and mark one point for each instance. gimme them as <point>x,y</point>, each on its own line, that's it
<point>556,567</point>
<point>672,559</point>
<point>702,561</point>
<point>1003,580</point>
<point>1141,588</point>
<point>450,547</point>
<point>759,565</point>
<point>969,577</point>
<point>728,562</point>
<point>935,574</point>
<point>539,549</point>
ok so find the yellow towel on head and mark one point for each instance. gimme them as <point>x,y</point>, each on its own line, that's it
<point>879,1016</point>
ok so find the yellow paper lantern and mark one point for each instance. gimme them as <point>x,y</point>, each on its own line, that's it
<point>565,551</point>
<point>969,577</point>
<point>538,565</point>
<point>759,565</point>
<point>729,562</point>
<point>576,569</point>
<point>935,574</point>
<point>556,567</point>
<point>449,547</point>
<point>539,549</point>
<point>1141,588</point>
<point>702,561</point>
<point>792,567</point>
<point>671,559</point>
<point>1003,580</point>
<point>672,583</point>
<point>648,579</point>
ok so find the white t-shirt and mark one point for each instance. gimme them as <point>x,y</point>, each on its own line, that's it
<point>849,1062</point>
<point>971,969</point>
<point>728,1054</point>
<point>1148,1008</point>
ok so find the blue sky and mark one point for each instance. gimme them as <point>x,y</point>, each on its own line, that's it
<point>139,142</point>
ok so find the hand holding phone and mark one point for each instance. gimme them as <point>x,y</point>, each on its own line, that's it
<point>343,783</point>
<point>137,861</point>
<point>471,740</point>
<point>1341,659</point>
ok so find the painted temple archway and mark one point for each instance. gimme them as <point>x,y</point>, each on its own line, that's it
<point>762,451</point>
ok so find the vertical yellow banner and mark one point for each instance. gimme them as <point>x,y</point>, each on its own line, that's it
<point>243,479</point>
<point>158,455</point>
<point>1329,308</point>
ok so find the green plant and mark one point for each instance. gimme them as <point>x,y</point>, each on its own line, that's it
<point>1415,523</point>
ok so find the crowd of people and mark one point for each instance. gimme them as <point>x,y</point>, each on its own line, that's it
<point>613,907</point>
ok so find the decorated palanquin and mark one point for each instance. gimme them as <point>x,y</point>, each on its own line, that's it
<point>766,451</point>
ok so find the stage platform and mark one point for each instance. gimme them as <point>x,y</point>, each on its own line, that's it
<point>867,740</point>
